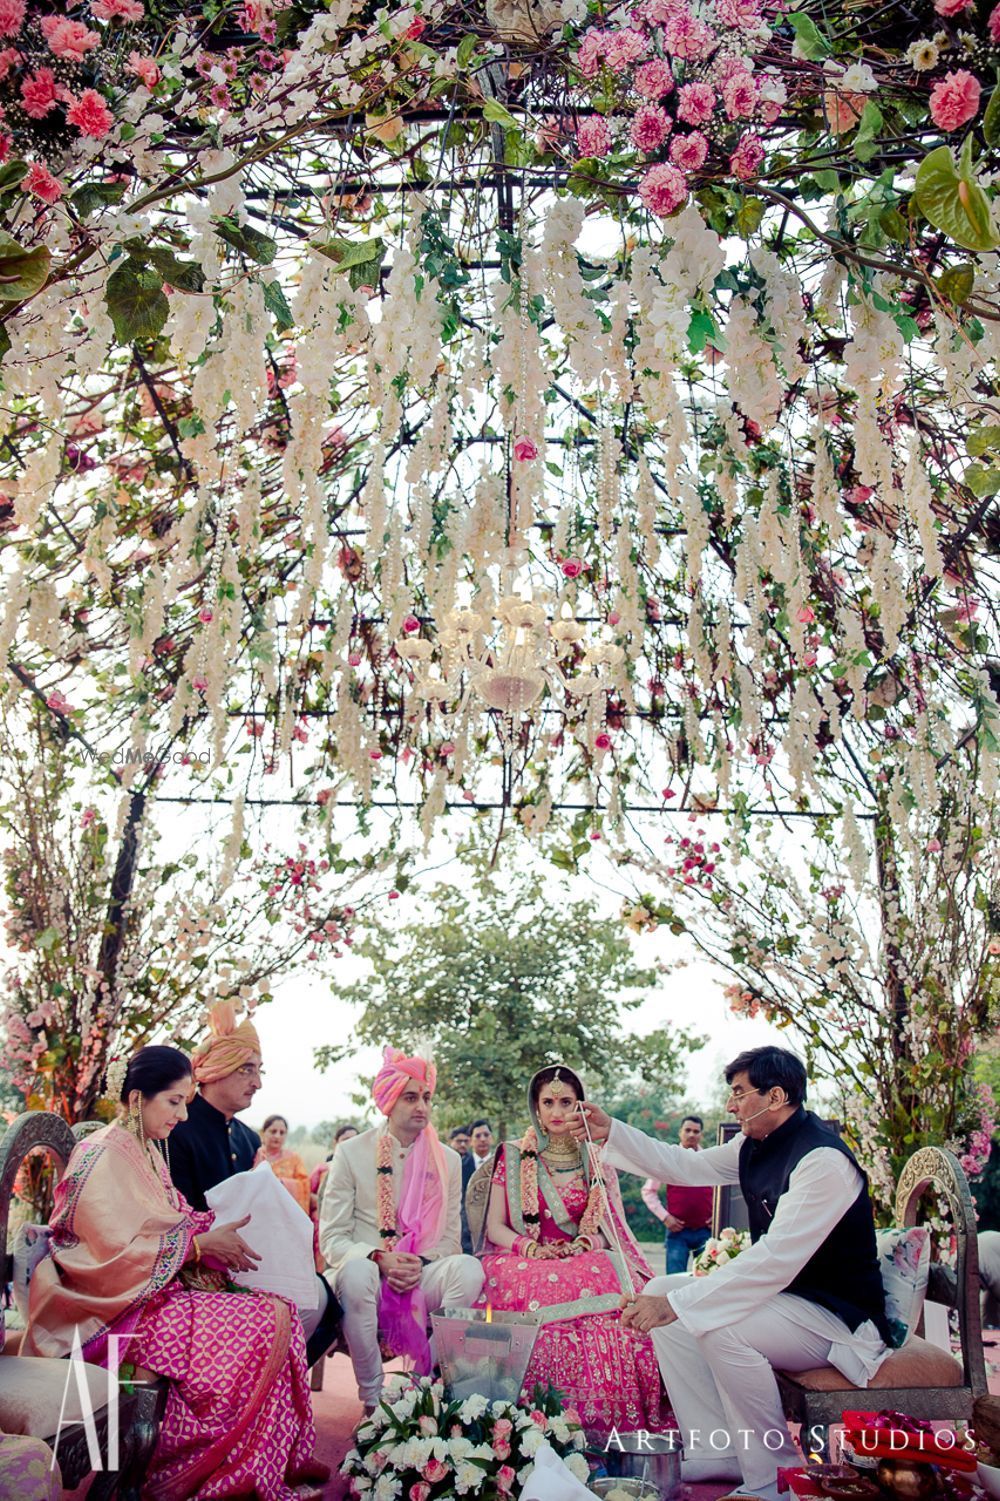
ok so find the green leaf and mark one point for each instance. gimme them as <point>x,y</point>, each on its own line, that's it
<point>953,201</point>
<point>186,275</point>
<point>361,259</point>
<point>260,248</point>
<point>96,195</point>
<point>871,122</point>
<point>276,304</point>
<point>749,214</point>
<point>700,330</point>
<point>11,173</point>
<point>991,119</point>
<point>4,341</point>
<point>48,940</point>
<point>812,43</point>
<point>494,111</point>
<point>982,440</point>
<point>957,283</point>
<point>466,48</point>
<point>136,302</point>
<point>908,327</point>
<point>893,225</point>
<point>982,481</point>
<point>22,272</point>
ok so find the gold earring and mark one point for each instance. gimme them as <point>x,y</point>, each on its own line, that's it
<point>135,1122</point>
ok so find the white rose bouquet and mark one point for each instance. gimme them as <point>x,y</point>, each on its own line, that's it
<point>418,1445</point>
<point>721,1251</point>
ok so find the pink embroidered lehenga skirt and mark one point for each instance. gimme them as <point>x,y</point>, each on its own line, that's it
<point>609,1374</point>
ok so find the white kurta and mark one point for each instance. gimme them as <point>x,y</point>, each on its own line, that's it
<point>739,1323</point>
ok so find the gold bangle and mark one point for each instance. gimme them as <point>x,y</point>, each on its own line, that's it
<point>197,1249</point>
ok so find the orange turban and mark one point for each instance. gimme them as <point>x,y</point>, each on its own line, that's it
<point>228,1047</point>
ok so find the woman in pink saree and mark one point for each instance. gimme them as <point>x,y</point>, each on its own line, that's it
<point>555,1242</point>
<point>129,1258</point>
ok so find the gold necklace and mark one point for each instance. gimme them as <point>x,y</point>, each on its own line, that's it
<point>563,1147</point>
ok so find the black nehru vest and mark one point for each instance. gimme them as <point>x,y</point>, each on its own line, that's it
<point>843,1274</point>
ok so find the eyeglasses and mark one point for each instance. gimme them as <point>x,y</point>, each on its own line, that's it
<point>735,1095</point>
<point>250,1071</point>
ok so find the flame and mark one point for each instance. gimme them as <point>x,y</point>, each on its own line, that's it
<point>489,1313</point>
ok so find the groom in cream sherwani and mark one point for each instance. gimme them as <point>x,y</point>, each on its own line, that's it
<point>390,1226</point>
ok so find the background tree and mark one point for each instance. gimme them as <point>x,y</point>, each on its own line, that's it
<point>499,977</point>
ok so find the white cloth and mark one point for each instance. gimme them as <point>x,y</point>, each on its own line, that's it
<point>551,1479</point>
<point>736,1326</point>
<point>452,1282</point>
<point>348,1214</point>
<point>279,1231</point>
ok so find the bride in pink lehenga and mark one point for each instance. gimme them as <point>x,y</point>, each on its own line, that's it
<point>549,1245</point>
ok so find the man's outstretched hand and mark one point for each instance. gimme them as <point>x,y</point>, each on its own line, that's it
<point>647,1312</point>
<point>598,1121</point>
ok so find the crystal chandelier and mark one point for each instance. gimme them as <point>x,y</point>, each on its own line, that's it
<point>505,660</point>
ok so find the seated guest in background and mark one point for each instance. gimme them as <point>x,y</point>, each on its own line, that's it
<point>129,1257</point>
<point>551,1221</point>
<point>390,1226</point>
<point>211,1145</point>
<point>688,1214</point>
<point>808,1292</point>
<point>285,1164</point>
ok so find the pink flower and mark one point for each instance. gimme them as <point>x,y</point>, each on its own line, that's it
<point>42,184</point>
<point>220,96</point>
<point>501,1448</point>
<point>58,703</point>
<point>663,189</point>
<point>805,616</point>
<point>739,95</point>
<point>955,100</point>
<point>525,450</point>
<point>591,52</point>
<point>593,138</point>
<point>689,151</point>
<point>747,158</point>
<point>654,79</point>
<point>695,103</point>
<point>419,1490</point>
<point>951,7</point>
<point>571,567</point>
<point>416,29</point>
<point>144,69</point>
<point>69,39</point>
<point>932,846</point>
<point>200,683</point>
<point>602,741</point>
<point>687,37</point>
<point>9,58</point>
<point>502,1428</point>
<point>538,1417</point>
<point>124,10</point>
<point>88,817</point>
<point>623,48</point>
<point>206,616</point>
<point>91,115</point>
<point>740,15</point>
<point>994,25</point>
<point>506,1476</point>
<point>411,625</point>
<point>11,17</point>
<point>650,127</point>
<point>39,93</point>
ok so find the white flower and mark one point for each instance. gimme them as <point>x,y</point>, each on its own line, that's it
<point>459,1449</point>
<point>387,1488</point>
<point>858,79</point>
<point>532,1442</point>
<point>473,1407</point>
<point>468,1477</point>
<point>922,55</point>
<point>579,1467</point>
<point>559,1429</point>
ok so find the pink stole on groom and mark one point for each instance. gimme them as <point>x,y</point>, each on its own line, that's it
<point>420,1216</point>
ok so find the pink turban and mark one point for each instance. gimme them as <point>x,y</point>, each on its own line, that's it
<point>394,1075</point>
<point>228,1047</point>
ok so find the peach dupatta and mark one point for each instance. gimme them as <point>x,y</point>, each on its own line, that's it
<point>117,1240</point>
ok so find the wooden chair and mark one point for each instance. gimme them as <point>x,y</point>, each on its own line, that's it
<point>918,1379</point>
<point>32,1389</point>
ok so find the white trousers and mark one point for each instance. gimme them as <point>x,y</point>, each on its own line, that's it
<point>722,1388</point>
<point>452,1282</point>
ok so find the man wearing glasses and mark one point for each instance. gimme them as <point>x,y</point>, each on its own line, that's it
<point>808,1292</point>
<point>212,1145</point>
